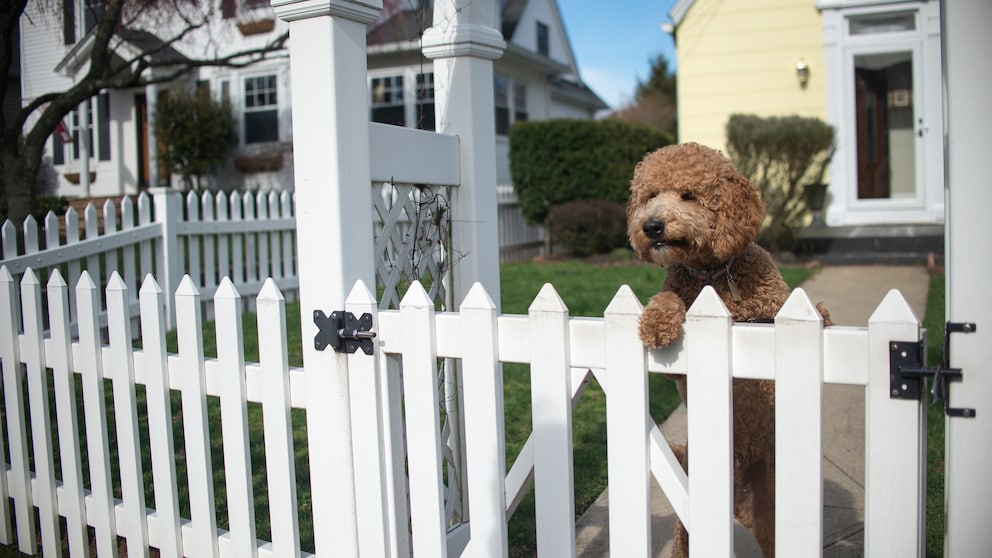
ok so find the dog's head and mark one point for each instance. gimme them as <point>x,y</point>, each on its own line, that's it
<point>689,204</point>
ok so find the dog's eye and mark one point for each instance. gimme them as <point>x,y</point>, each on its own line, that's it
<point>688,196</point>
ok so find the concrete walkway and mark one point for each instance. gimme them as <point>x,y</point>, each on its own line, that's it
<point>851,294</point>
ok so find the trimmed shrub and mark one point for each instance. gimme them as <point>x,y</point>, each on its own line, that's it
<point>588,227</point>
<point>781,155</point>
<point>557,161</point>
<point>197,133</point>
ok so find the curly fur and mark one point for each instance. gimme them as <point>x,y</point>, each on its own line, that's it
<point>692,212</point>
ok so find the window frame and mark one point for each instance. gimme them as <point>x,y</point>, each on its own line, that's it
<point>256,117</point>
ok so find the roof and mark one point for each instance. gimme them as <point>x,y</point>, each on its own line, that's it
<point>579,92</point>
<point>510,15</point>
<point>134,40</point>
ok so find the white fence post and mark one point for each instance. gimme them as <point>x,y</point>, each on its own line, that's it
<point>968,454</point>
<point>169,270</point>
<point>895,442</point>
<point>710,409</point>
<point>334,232</point>
<point>463,43</point>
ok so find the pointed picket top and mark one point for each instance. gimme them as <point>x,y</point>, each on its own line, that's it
<point>893,309</point>
<point>270,291</point>
<point>548,300</point>
<point>708,305</point>
<point>798,308</point>
<point>116,283</point>
<point>29,221</point>
<point>29,278</point>
<point>624,303</point>
<point>477,299</point>
<point>51,220</point>
<point>226,290</point>
<point>5,276</point>
<point>85,282</point>
<point>89,213</point>
<point>187,287</point>
<point>150,286</point>
<point>416,297</point>
<point>360,294</point>
<point>55,280</point>
<point>207,205</point>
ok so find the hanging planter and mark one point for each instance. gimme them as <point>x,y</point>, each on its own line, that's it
<point>258,163</point>
<point>73,177</point>
<point>257,26</point>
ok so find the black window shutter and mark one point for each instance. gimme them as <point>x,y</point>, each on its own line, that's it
<point>58,150</point>
<point>103,126</point>
<point>69,21</point>
<point>229,8</point>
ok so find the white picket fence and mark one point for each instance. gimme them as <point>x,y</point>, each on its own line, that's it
<point>396,430</point>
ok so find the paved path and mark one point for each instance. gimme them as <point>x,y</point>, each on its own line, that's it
<point>851,294</point>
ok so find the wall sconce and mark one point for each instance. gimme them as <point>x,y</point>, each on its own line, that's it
<point>802,73</point>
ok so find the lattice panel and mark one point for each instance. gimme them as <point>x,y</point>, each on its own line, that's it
<point>412,241</point>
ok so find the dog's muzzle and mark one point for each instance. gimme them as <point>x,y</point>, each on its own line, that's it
<point>654,229</point>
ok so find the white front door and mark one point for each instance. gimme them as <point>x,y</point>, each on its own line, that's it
<point>883,98</point>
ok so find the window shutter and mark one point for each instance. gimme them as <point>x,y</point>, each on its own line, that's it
<point>69,21</point>
<point>103,126</point>
<point>229,8</point>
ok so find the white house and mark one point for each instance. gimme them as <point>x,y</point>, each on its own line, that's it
<point>537,78</point>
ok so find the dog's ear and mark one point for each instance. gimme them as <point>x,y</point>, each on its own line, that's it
<point>740,215</point>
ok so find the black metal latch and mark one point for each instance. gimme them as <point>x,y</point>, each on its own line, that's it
<point>907,376</point>
<point>343,332</point>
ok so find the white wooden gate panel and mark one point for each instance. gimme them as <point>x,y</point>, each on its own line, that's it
<point>551,411</point>
<point>709,385</point>
<point>798,428</point>
<point>626,428</point>
<point>423,428</point>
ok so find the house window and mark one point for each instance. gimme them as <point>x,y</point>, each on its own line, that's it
<point>502,96</point>
<point>542,39</point>
<point>261,109</point>
<point>92,12</point>
<point>387,100</point>
<point>425,101</point>
<point>98,132</point>
<point>882,23</point>
<point>519,102</point>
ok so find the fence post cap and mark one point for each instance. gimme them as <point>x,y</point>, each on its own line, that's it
<point>548,300</point>
<point>798,308</point>
<point>708,305</point>
<point>624,303</point>
<point>477,298</point>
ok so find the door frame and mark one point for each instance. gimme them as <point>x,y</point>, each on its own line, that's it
<point>840,50</point>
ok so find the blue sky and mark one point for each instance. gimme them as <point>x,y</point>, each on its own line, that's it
<point>614,45</point>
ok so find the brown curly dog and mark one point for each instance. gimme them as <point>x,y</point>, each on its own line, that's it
<point>692,212</point>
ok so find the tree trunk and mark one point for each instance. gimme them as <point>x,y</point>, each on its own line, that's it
<point>20,177</point>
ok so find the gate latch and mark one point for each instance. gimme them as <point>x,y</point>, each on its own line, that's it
<point>907,375</point>
<point>343,332</point>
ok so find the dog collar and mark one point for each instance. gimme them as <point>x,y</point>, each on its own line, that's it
<point>711,275</point>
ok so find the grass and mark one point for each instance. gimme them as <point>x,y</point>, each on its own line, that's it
<point>587,290</point>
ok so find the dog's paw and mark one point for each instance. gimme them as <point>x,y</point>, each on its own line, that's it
<point>661,322</point>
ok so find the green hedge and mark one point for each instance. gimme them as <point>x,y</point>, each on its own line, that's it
<point>556,161</point>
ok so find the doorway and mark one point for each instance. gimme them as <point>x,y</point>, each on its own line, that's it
<point>885,124</point>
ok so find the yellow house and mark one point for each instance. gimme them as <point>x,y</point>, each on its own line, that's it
<point>870,68</point>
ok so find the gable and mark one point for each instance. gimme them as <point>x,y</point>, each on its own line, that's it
<point>520,27</point>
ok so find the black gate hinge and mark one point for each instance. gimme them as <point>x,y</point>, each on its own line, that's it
<point>907,375</point>
<point>343,332</point>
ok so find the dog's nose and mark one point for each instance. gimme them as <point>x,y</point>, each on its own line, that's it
<point>654,228</point>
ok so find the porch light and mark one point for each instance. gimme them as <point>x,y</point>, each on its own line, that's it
<point>802,73</point>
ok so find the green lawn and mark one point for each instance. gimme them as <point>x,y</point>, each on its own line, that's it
<point>586,289</point>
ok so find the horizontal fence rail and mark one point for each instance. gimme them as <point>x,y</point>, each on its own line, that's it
<point>58,426</point>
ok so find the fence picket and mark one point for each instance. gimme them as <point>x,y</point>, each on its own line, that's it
<point>368,444</point>
<point>287,205</point>
<point>484,436</point>
<point>251,240</point>
<point>90,365</point>
<point>16,414</point>
<point>709,405</point>
<point>894,457</point>
<point>8,233</point>
<point>207,207</point>
<point>395,453</point>
<point>420,382</point>
<point>6,332</point>
<point>166,534</point>
<point>193,268</point>
<point>132,523</point>
<point>551,399</point>
<point>109,229</point>
<point>237,240</point>
<point>52,239</point>
<point>128,270</point>
<point>63,376</point>
<point>264,258</point>
<point>37,379</point>
<point>30,229</point>
<point>193,383</point>
<point>224,241</point>
<point>627,428</point>
<point>278,427</point>
<point>275,238</point>
<point>146,251</point>
<point>74,268</point>
<point>798,428</point>
<point>92,226</point>
<point>234,419</point>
